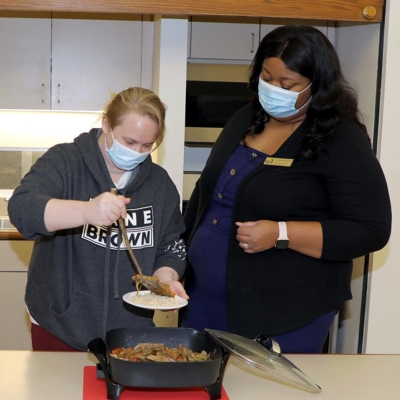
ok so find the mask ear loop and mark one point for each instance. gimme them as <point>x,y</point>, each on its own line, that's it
<point>298,109</point>
<point>305,88</point>
<point>105,138</point>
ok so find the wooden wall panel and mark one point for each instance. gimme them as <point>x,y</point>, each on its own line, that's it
<point>336,10</point>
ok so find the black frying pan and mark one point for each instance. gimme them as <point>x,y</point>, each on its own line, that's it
<point>160,374</point>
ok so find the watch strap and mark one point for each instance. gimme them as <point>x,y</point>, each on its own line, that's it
<point>282,231</point>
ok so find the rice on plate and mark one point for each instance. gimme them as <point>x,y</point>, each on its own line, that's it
<point>151,299</point>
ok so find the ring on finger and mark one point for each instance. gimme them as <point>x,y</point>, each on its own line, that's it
<point>246,246</point>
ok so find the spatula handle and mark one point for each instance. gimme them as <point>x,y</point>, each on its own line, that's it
<point>121,223</point>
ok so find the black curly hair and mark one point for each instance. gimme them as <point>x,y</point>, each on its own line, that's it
<point>307,51</point>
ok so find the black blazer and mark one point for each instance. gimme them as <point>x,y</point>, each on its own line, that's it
<point>276,291</point>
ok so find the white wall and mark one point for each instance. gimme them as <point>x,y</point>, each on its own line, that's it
<point>169,82</point>
<point>360,71</point>
<point>383,329</point>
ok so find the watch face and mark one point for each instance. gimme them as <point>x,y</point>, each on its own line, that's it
<point>282,244</point>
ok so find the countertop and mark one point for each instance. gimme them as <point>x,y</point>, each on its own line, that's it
<point>27,375</point>
<point>10,234</point>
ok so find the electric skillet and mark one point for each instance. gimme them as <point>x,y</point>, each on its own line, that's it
<point>262,352</point>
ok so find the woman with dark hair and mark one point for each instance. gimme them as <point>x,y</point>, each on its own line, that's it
<point>291,193</point>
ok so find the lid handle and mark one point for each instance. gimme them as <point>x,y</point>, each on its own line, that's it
<point>269,343</point>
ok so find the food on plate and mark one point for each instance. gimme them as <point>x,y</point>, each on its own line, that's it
<point>153,283</point>
<point>153,300</point>
<point>158,352</point>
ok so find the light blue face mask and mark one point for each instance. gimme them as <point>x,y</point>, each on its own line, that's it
<point>278,102</point>
<point>123,157</point>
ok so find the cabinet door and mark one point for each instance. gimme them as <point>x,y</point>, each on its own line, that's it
<point>217,38</point>
<point>92,58</point>
<point>25,46</point>
<point>269,24</point>
<point>15,323</point>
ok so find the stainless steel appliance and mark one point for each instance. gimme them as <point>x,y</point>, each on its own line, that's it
<point>214,92</point>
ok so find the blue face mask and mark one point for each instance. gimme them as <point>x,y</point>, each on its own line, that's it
<point>124,157</point>
<point>278,102</point>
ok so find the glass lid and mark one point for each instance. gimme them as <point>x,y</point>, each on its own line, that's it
<point>263,353</point>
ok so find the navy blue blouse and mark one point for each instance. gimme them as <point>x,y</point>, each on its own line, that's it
<point>208,250</point>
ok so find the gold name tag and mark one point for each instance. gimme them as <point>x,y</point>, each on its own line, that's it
<point>279,162</point>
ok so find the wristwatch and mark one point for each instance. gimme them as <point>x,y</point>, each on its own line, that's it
<point>283,241</point>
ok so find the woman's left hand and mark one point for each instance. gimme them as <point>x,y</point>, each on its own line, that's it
<point>177,287</point>
<point>168,275</point>
<point>257,236</point>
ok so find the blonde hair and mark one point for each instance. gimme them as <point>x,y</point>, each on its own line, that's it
<point>140,101</point>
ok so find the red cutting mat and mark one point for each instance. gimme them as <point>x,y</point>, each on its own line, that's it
<point>95,389</point>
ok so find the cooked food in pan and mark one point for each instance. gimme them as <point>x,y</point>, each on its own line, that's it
<point>158,352</point>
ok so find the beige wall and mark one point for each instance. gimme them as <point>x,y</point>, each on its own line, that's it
<point>383,329</point>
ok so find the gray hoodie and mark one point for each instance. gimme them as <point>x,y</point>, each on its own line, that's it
<point>77,277</point>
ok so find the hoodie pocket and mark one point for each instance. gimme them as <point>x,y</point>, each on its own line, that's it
<point>82,321</point>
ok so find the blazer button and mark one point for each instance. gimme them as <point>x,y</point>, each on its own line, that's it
<point>215,221</point>
<point>233,171</point>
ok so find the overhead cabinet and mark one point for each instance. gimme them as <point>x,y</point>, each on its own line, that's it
<point>25,61</point>
<point>91,58</point>
<point>219,39</point>
<point>269,24</point>
<point>68,61</point>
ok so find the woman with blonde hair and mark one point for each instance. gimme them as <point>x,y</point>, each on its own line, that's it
<point>80,268</point>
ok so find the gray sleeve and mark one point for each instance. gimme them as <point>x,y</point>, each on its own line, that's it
<point>44,181</point>
<point>171,251</point>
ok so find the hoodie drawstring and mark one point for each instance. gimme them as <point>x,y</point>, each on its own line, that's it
<point>106,280</point>
<point>116,284</point>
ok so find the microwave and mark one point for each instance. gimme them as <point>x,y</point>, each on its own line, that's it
<point>214,92</point>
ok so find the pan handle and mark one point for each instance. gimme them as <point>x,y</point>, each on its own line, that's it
<point>99,349</point>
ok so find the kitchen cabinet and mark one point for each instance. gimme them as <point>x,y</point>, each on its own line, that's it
<point>269,24</point>
<point>25,60</point>
<point>15,328</point>
<point>218,38</point>
<point>67,61</point>
<point>92,58</point>
<point>235,40</point>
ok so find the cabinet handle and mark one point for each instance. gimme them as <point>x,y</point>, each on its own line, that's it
<point>252,43</point>
<point>58,93</point>
<point>42,93</point>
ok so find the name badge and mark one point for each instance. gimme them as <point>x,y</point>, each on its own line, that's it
<point>279,162</point>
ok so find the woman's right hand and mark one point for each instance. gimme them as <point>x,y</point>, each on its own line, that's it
<point>105,209</point>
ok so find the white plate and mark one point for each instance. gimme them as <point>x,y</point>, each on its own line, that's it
<point>129,298</point>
